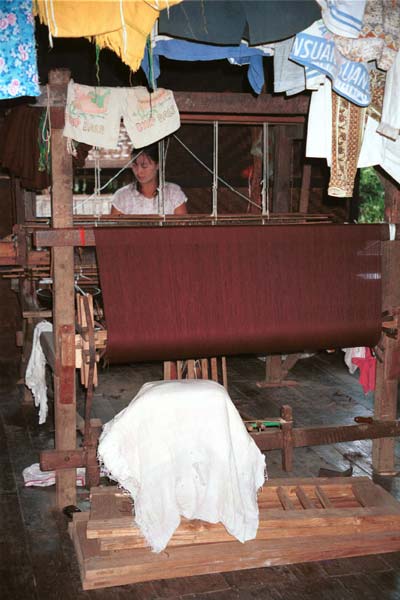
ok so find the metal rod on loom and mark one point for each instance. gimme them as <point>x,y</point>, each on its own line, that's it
<point>161,179</point>
<point>215,172</point>
<point>264,189</point>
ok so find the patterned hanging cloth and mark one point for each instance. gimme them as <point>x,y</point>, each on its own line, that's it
<point>18,68</point>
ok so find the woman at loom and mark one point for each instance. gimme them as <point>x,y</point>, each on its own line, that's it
<point>141,196</point>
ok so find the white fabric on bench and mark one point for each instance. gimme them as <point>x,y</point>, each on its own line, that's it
<point>180,448</point>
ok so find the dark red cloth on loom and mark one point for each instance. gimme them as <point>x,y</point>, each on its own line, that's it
<point>179,292</point>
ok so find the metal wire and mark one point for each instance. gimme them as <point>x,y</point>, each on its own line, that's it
<point>207,168</point>
<point>215,170</point>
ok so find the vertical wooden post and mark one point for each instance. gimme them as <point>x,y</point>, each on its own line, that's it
<point>287,434</point>
<point>383,458</point>
<point>305,188</point>
<point>282,169</point>
<point>63,293</point>
<point>256,174</point>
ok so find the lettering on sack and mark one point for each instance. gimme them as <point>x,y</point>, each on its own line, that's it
<point>166,114</point>
<point>146,124</point>
<point>92,127</point>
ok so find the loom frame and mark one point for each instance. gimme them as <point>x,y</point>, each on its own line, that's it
<point>62,237</point>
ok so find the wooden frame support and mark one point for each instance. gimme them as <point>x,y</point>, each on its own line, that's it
<point>276,369</point>
<point>63,296</point>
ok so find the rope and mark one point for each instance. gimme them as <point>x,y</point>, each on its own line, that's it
<point>100,189</point>
<point>47,19</point>
<point>161,179</point>
<point>97,175</point>
<point>124,35</point>
<point>215,171</point>
<point>54,19</point>
<point>44,136</point>
<point>98,64</point>
<point>207,168</point>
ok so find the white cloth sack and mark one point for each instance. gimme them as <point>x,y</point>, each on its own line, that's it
<point>93,114</point>
<point>181,449</point>
<point>149,117</point>
<point>35,376</point>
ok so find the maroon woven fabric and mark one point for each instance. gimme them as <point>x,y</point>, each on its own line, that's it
<point>179,292</point>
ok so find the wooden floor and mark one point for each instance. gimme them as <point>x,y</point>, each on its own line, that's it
<point>36,555</point>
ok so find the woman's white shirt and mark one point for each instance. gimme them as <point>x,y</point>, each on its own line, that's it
<point>130,201</point>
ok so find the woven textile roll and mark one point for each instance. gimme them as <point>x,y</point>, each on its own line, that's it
<point>180,292</point>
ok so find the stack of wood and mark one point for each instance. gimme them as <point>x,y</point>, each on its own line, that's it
<point>301,520</point>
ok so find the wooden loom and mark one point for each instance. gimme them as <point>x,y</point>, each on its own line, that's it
<point>66,457</point>
<point>301,520</point>
<point>62,242</point>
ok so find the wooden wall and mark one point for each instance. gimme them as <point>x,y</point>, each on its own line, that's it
<point>10,320</point>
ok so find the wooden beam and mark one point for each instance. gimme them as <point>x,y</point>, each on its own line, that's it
<point>213,102</point>
<point>386,392</point>
<point>331,434</point>
<point>63,296</point>
<point>69,236</point>
<point>234,103</point>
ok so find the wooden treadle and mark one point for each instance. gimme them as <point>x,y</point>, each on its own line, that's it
<point>301,520</point>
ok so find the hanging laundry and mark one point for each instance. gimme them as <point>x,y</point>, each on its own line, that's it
<point>390,121</point>
<point>18,68</point>
<point>315,48</point>
<point>289,76</point>
<point>93,114</point>
<point>367,366</point>
<point>35,376</point>
<point>191,51</point>
<point>20,149</point>
<point>379,38</point>
<point>319,128</point>
<point>379,150</point>
<point>347,134</point>
<point>121,25</point>
<point>227,22</point>
<point>349,354</point>
<point>343,17</point>
<point>375,148</point>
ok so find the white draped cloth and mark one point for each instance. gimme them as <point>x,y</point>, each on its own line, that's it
<point>181,449</point>
<point>35,375</point>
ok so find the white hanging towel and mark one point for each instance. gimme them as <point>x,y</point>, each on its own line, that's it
<point>149,117</point>
<point>35,376</point>
<point>93,114</point>
<point>181,449</point>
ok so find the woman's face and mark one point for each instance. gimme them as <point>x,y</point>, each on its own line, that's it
<point>145,169</point>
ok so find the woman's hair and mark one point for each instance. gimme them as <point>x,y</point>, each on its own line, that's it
<point>150,151</point>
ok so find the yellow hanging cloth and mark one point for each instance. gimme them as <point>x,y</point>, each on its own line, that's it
<point>121,25</point>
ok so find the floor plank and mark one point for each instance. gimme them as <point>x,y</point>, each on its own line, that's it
<point>36,553</point>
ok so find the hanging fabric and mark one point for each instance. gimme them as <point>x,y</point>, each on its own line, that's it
<point>185,50</point>
<point>93,114</point>
<point>315,48</point>
<point>120,25</point>
<point>18,69</point>
<point>227,22</point>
